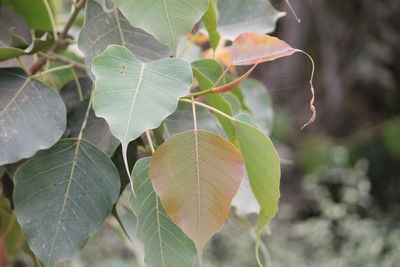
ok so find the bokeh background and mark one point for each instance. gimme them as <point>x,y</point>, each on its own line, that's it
<point>340,204</point>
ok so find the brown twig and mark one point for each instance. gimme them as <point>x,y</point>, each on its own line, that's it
<point>61,38</point>
<point>54,56</point>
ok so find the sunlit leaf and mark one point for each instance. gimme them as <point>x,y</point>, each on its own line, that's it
<point>253,48</point>
<point>188,50</point>
<point>32,116</point>
<point>182,120</point>
<point>134,96</point>
<point>196,174</point>
<point>210,20</point>
<point>207,72</point>
<point>62,196</point>
<point>263,169</point>
<point>221,54</point>
<point>105,27</point>
<point>239,16</point>
<point>167,20</point>
<point>164,243</point>
<point>10,233</point>
<point>34,12</point>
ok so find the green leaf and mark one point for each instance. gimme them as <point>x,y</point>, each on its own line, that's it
<point>135,96</point>
<point>105,27</point>
<point>182,120</point>
<point>196,174</point>
<point>207,72</point>
<point>167,20</point>
<point>263,169</point>
<point>10,231</point>
<point>164,243</point>
<point>12,25</point>
<point>42,43</point>
<point>32,116</point>
<point>34,12</point>
<point>239,16</point>
<point>96,130</point>
<point>234,101</point>
<point>62,196</point>
<point>257,98</point>
<point>210,20</point>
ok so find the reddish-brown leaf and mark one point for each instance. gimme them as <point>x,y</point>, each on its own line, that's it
<point>229,86</point>
<point>253,48</point>
<point>196,174</point>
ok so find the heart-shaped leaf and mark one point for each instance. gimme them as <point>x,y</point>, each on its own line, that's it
<point>62,196</point>
<point>164,243</point>
<point>167,20</point>
<point>196,174</point>
<point>253,48</point>
<point>134,96</point>
<point>32,116</point>
<point>104,27</point>
<point>239,16</point>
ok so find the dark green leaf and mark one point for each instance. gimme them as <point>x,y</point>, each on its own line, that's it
<point>32,116</point>
<point>62,196</point>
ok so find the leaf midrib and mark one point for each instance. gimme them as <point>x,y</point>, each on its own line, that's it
<point>15,96</point>
<point>74,161</point>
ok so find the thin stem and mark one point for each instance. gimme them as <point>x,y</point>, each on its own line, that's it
<point>53,56</point>
<point>292,10</point>
<point>78,84</point>
<point>22,63</point>
<point>194,115</point>
<point>53,70</point>
<point>52,20</point>
<point>208,107</point>
<point>151,145</point>
<point>85,120</point>
<point>211,90</point>
<point>61,39</point>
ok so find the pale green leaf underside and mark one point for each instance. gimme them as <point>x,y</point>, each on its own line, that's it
<point>263,169</point>
<point>104,27</point>
<point>62,196</point>
<point>239,16</point>
<point>32,116</point>
<point>134,96</point>
<point>164,243</point>
<point>167,20</point>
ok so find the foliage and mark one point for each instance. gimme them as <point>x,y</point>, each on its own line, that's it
<point>61,123</point>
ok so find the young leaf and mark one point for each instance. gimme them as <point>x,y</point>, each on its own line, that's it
<point>252,48</point>
<point>196,174</point>
<point>207,72</point>
<point>167,20</point>
<point>164,243</point>
<point>105,27</point>
<point>134,96</point>
<point>238,16</point>
<point>32,116</point>
<point>210,20</point>
<point>34,12</point>
<point>263,169</point>
<point>62,196</point>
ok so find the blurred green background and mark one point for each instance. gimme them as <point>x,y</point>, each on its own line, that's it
<point>341,176</point>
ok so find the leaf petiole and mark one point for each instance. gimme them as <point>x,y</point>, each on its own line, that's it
<point>208,107</point>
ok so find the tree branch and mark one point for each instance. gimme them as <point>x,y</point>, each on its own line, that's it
<point>62,38</point>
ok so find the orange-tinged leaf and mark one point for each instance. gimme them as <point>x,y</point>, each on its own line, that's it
<point>253,48</point>
<point>222,54</point>
<point>229,86</point>
<point>196,174</point>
